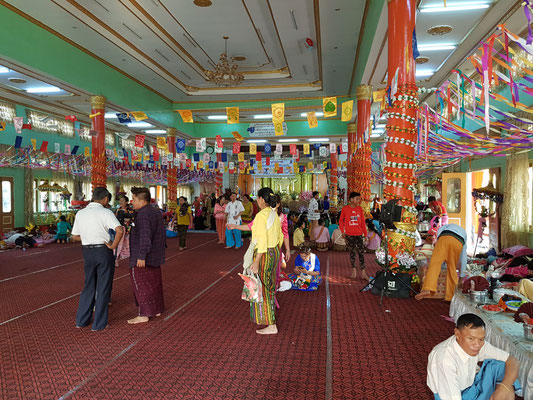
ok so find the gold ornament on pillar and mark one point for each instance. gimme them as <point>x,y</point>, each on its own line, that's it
<point>363,154</point>
<point>350,161</point>
<point>172,173</point>
<point>98,102</point>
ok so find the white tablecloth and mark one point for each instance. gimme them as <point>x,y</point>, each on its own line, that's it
<point>504,333</point>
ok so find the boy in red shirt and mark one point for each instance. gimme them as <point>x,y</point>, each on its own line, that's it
<point>352,225</point>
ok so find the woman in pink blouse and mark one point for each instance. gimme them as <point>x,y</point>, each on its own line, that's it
<point>220,218</point>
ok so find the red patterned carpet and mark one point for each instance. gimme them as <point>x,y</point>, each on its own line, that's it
<point>204,346</point>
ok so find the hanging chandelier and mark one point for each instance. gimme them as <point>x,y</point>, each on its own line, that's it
<point>225,74</point>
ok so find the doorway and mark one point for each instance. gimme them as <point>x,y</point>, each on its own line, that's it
<point>7,212</point>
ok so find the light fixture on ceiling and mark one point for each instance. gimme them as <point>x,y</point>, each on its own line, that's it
<point>139,124</point>
<point>202,3</point>
<point>423,73</point>
<point>263,116</point>
<point>4,70</point>
<point>256,141</point>
<point>439,30</point>
<point>43,89</point>
<point>155,131</point>
<point>462,6</point>
<point>293,19</point>
<point>110,115</point>
<point>288,140</point>
<point>17,80</point>
<point>218,117</point>
<point>225,74</point>
<point>318,114</point>
<point>318,140</point>
<point>436,47</point>
<point>422,60</point>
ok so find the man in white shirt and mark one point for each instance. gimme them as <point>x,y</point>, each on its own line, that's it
<point>92,226</point>
<point>234,210</point>
<point>453,364</point>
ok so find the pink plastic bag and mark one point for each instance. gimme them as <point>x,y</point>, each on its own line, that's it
<point>252,288</point>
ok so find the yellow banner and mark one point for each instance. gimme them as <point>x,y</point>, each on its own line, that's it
<point>378,95</point>
<point>310,165</point>
<point>161,143</point>
<point>87,152</point>
<point>306,148</point>
<point>278,128</point>
<point>311,119</point>
<point>138,115</point>
<point>233,115</point>
<point>240,157</point>
<point>278,112</point>
<point>329,107</point>
<point>276,167</point>
<point>253,149</point>
<point>237,136</point>
<point>34,144</point>
<point>186,116</point>
<point>200,164</point>
<point>325,164</point>
<point>347,111</point>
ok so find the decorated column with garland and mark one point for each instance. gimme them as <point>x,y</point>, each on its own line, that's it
<point>333,179</point>
<point>172,172</point>
<point>401,139</point>
<point>350,157</point>
<point>363,153</point>
<point>219,175</point>
<point>99,160</point>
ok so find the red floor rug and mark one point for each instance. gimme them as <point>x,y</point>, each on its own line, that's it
<point>204,346</point>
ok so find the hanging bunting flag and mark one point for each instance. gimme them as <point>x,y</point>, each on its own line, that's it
<point>316,146</point>
<point>278,112</point>
<point>2,126</point>
<point>293,149</point>
<point>71,118</point>
<point>347,111</point>
<point>196,157</point>
<point>253,149</point>
<point>237,136</point>
<point>344,147</point>
<point>307,151</point>
<point>279,149</point>
<point>323,151</point>
<point>267,148</point>
<point>206,158</point>
<point>236,148</point>
<point>27,126</point>
<point>267,161</point>
<point>200,164</point>
<point>240,157</point>
<point>34,144</point>
<point>57,148</point>
<point>278,129</point>
<point>310,165</point>
<point>91,116</point>
<point>394,83</point>
<point>188,163</point>
<point>18,122</point>
<point>416,53</point>
<point>312,120</point>
<point>297,155</point>
<point>180,145</point>
<point>87,152</point>
<point>224,157</point>
<point>156,153</point>
<point>186,116</point>
<point>123,118</point>
<point>233,115</point>
<point>18,142</point>
<point>301,168</point>
<point>276,166</point>
<point>44,146</point>
<point>332,148</point>
<point>329,107</point>
<point>201,144</point>
<point>139,115</point>
<point>139,140</point>
<point>161,143</point>
<point>219,141</point>
<point>74,150</point>
<point>258,156</point>
<point>231,166</point>
<point>183,157</point>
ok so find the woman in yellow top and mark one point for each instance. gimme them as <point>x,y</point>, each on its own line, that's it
<point>183,220</point>
<point>247,215</point>
<point>267,234</point>
<point>298,236</point>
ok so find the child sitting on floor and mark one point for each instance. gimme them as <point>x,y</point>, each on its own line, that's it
<point>306,270</point>
<point>321,234</point>
<point>62,230</point>
<point>298,237</point>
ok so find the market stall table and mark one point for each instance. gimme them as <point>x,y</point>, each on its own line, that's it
<point>504,333</point>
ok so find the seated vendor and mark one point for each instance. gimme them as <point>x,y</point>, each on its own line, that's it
<point>453,364</point>
<point>306,270</point>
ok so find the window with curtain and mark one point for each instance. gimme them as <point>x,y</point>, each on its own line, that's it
<point>7,112</point>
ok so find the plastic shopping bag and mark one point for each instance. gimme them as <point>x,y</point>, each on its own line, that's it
<point>252,289</point>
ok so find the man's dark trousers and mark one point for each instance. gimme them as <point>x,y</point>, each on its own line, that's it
<point>99,266</point>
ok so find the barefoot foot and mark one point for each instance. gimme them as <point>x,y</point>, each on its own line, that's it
<point>138,320</point>
<point>423,295</point>
<point>269,330</point>
<point>365,275</point>
<point>354,274</point>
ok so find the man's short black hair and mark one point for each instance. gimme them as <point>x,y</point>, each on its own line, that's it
<point>233,193</point>
<point>355,194</point>
<point>315,193</point>
<point>470,321</point>
<point>431,198</point>
<point>142,193</point>
<point>100,193</point>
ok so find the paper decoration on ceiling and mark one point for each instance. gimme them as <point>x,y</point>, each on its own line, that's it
<point>279,149</point>
<point>258,156</point>
<point>182,157</point>
<point>91,116</point>
<point>316,146</point>
<point>267,148</point>
<point>206,157</point>
<point>201,144</point>
<point>329,107</point>
<point>161,143</point>
<point>253,149</point>
<point>196,157</point>
<point>347,111</point>
<point>18,142</point>
<point>218,149</point>
<point>34,145</point>
<point>139,140</point>
<point>138,115</point>
<point>57,148</point>
<point>278,112</point>
<point>237,136</point>
<point>224,157</point>
<point>311,119</point>
<point>231,166</point>
<point>344,147</point>
<point>180,145</point>
<point>307,151</point>
<point>293,149</point>
<point>200,164</point>
<point>278,129</point>
<point>75,150</point>
<point>332,148</point>
<point>236,148</point>
<point>44,147</point>
<point>87,152</point>
<point>186,116</point>
<point>232,114</point>
<point>240,157</point>
<point>323,151</point>
<point>18,122</point>
<point>219,141</point>
<point>72,118</point>
<point>2,126</point>
<point>123,118</point>
<point>27,126</point>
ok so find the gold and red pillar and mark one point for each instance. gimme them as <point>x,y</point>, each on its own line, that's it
<point>400,163</point>
<point>218,176</point>
<point>172,172</point>
<point>99,160</point>
<point>363,154</point>
<point>350,158</point>
<point>333,179</point>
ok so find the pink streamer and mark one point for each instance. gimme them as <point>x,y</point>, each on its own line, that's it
<point>486,84</point>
